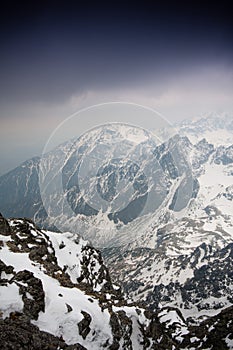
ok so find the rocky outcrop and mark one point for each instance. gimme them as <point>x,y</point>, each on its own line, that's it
<point>31,290</point>
<point>56,293</point>
<point>16,332</point>
<point>84,325</point>
<point>4,226</point>
<point>214,333</point>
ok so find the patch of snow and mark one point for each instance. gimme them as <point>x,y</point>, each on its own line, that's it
<point>11,300</point>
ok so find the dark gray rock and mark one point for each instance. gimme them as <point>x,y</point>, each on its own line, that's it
<point>84,325</point>
<point>17,333</point>
<point>4,226</point>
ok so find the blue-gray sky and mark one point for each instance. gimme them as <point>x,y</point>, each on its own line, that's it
<point>57,57</point>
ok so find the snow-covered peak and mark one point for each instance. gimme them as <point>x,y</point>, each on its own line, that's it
<point>216,128</point>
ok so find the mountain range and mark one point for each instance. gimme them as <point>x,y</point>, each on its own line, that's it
<point>163,223</point>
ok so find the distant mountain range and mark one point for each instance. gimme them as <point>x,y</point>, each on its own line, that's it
<point>108,178</point>
<point>184,259</point>
<point>168,241</point>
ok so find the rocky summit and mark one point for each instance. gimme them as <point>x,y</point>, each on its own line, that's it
<point>56,293</point>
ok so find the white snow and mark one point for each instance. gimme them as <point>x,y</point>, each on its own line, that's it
<point>56,319</point>
<point>11,301</point>
<point>229,341</point>
<point>69,255</point>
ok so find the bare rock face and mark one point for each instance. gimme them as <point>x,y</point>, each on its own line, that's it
<point>4,226</point>
<point>31,290</point>
<point>84,324</point>
<point>17,333</point>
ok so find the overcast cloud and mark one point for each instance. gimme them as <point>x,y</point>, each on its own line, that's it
<point>56,60</point>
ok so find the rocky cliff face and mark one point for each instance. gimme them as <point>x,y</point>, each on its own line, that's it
<point>100,173</point>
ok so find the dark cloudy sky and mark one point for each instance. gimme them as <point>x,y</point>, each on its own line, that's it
<point>57,57</point>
